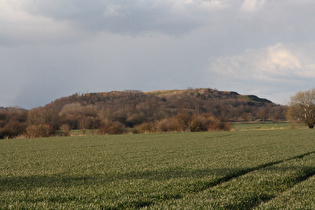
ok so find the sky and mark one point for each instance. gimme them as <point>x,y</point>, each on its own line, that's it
<point>55,48</point>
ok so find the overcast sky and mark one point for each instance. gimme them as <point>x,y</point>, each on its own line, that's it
<point>55,48</point>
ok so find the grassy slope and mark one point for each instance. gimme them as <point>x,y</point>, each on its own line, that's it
<point>156,170</point>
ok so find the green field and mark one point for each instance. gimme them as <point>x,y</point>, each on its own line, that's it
<point>267,126</point>
<point>263,169</point>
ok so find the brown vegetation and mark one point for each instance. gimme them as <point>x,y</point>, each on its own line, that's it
<point>118,112</point>
<point>183,122</point>
<point>43,130</point>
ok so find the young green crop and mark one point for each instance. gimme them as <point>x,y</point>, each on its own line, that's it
<point>267,126</point>
<point>133,171</point>
<point>252,188</point>
<point>301,196</point>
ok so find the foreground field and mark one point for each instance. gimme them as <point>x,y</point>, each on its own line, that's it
<point>220,170</point>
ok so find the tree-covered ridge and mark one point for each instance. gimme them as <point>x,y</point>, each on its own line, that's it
<point>154,111</point>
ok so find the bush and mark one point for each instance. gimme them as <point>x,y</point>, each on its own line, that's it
<point>147,127</point>
<point>165,125</point>
<point>183,120</point>
<point>34,131</point>
<point>221,126</point>
<point>178,123</point>
<point>199,123</point>
<point>183,123</point>
<point>227,126</point>
<point>65,129</point>
<point>12,129</point>
<point>112,127</point>
<point>116,128</point>
<point>207,122</point>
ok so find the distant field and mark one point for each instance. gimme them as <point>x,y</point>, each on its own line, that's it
<point>219,170</point>
<point>267,126</point>
<point>235,127</point>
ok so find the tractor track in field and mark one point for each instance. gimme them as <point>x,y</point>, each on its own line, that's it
<point>298,181</point>
<point>308,173</point>
<point>248,170</point>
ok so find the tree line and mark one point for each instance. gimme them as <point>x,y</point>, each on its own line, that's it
<point>139,112</point>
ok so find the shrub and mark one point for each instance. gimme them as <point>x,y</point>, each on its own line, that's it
<point>227,126</point>
<point>12,129</point>
<point>147,127</point>
<point>34,131</point>
<point>116,128</point>
<point>112,127</point>
<point>199,123</point>
<point>214,124</point>
<point>182,123</point>
<point>183,119</point>
<point>65,129</point>
<point>220,126</point>
<point>168,125</point>
<point>206,122</point>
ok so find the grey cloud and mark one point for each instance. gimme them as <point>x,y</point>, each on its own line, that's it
<point>117,16</point>
<point>273,18</point>
<point>273,21</point>
<point>55,48</point>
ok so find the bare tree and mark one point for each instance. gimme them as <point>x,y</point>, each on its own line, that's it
<point>65,128</point>
<point>84,124</point>
<point>302,107</point>
<point>262,113</point>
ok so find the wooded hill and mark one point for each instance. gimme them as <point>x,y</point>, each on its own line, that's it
<point>154,111</point>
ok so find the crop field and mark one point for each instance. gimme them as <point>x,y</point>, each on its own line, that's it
<point>267,126</point>
<point>253,169</point>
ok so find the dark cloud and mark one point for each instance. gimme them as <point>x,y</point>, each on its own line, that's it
<point>119,16</point>
<point>273,20</point>
<point>50,49</point>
